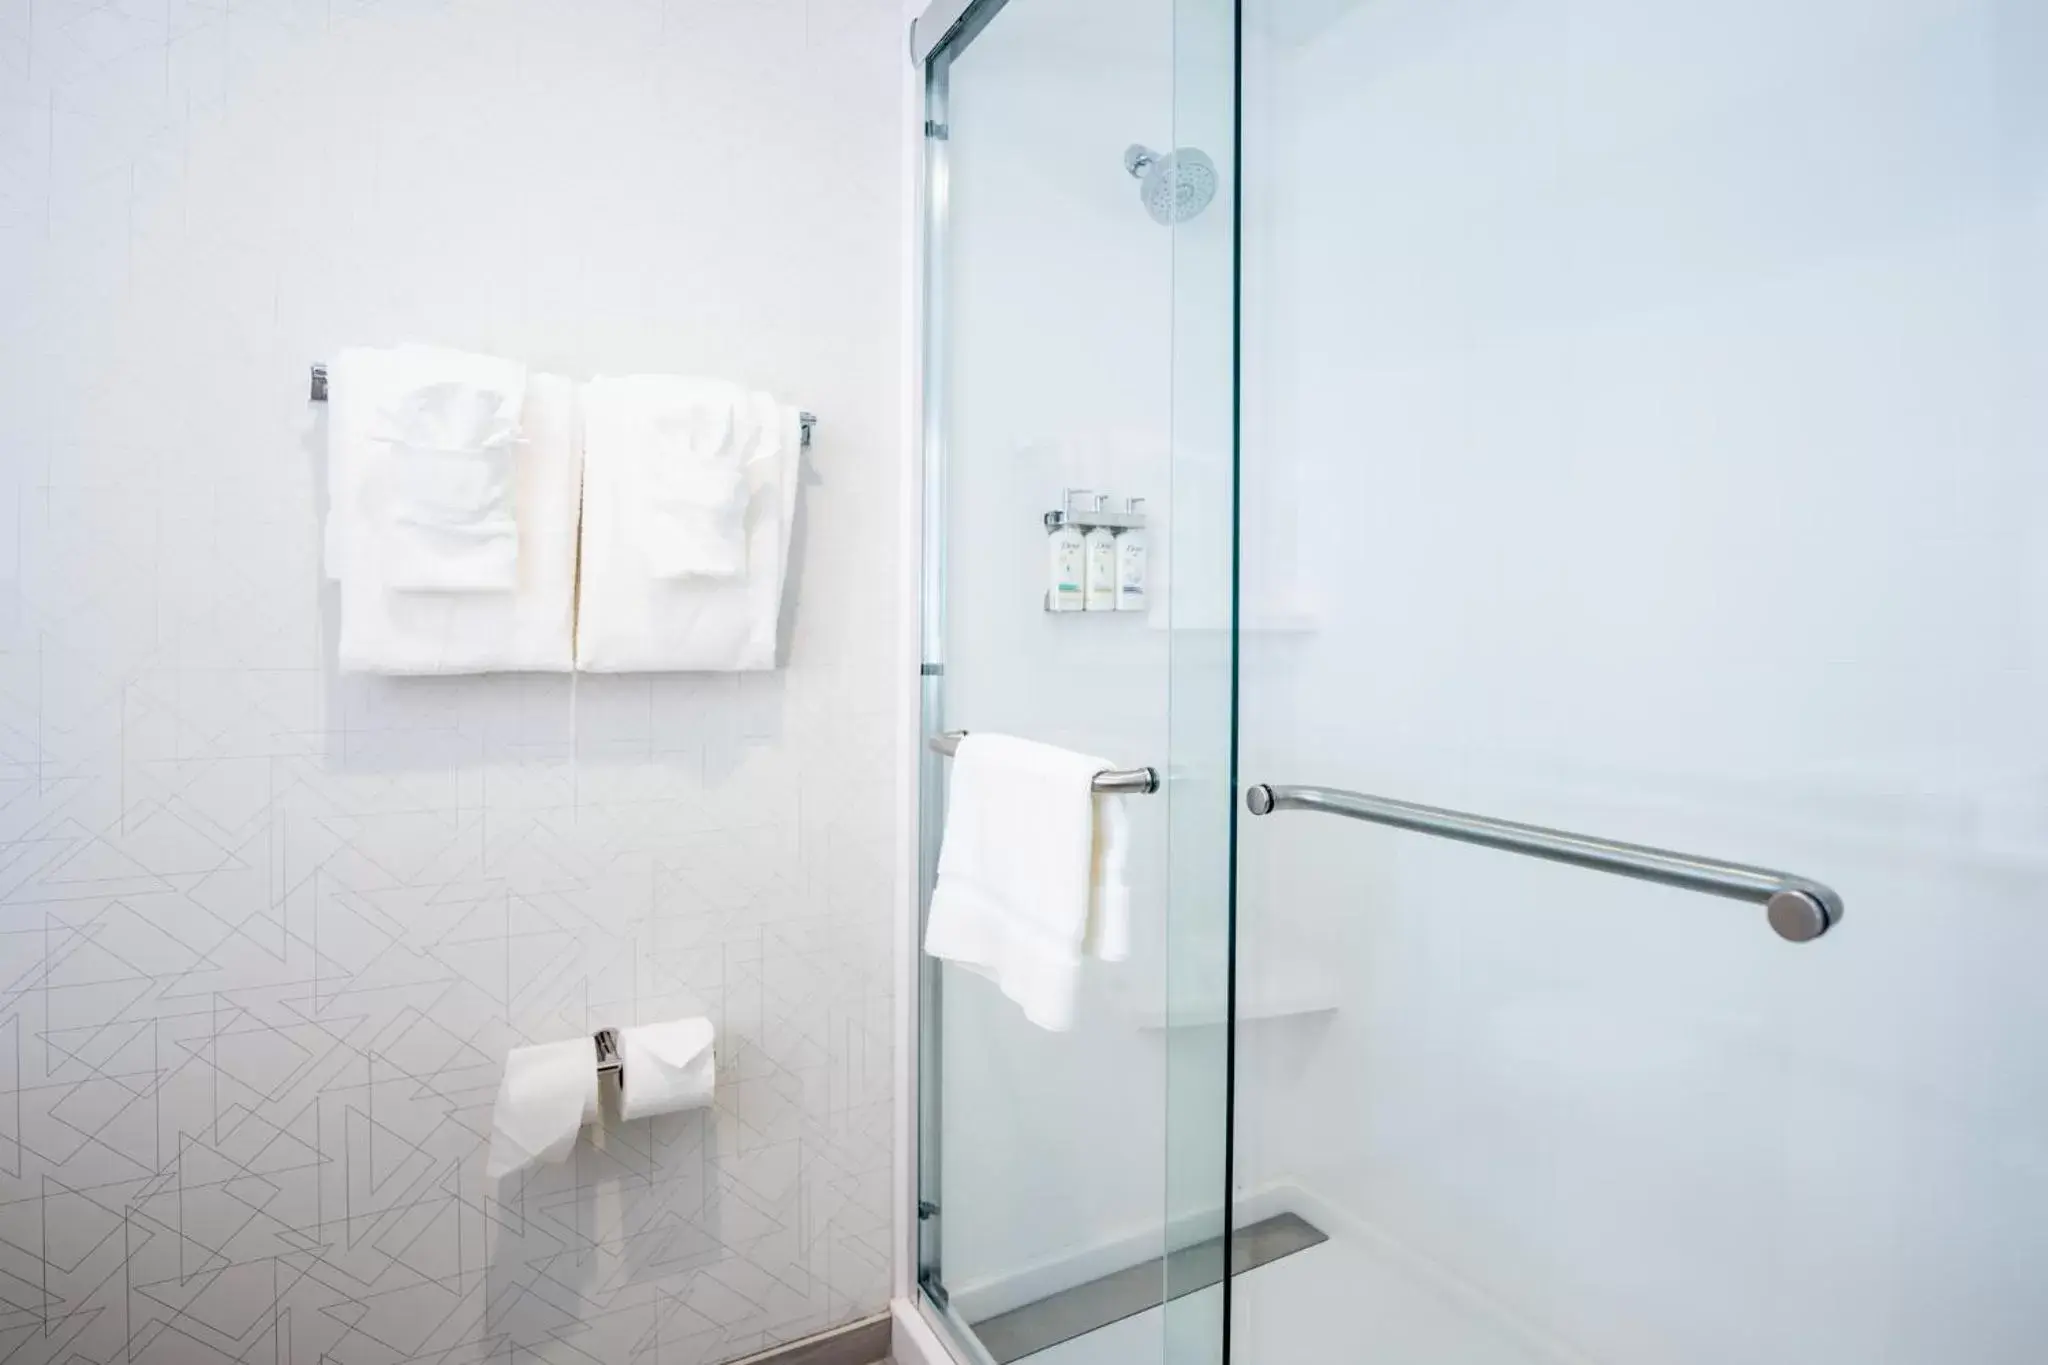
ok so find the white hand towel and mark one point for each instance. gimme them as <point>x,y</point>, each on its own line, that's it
<point>1109,913</point>
<point>632,619</point>
<point>451,421</point>
<point>1030,873</point>
<point>388,629</point>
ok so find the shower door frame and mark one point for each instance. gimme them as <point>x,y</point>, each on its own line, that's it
<point>940,33</point>
<point>937,36</point>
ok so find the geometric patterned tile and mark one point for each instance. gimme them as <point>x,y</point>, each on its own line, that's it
<point>266,931</point>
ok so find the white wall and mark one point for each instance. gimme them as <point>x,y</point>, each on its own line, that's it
<point>266,931</point>
<point>1650,394</point>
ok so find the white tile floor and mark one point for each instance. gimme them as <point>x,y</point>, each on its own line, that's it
<point>1340,1300</point>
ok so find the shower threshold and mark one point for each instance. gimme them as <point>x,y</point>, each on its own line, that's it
<point>1046,1322</point>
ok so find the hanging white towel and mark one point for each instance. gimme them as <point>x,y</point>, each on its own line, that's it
<point>636,612</point>
<point>1109,911</point>
<point>1031,873</point>
<point>387,628</point>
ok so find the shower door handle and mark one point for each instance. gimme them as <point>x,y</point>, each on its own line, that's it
<point>1798,908</point>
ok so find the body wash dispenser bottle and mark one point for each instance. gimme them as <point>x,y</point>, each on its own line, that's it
<point>1130,560</point>
<point>1066,578</point>
<point>1100,554</point>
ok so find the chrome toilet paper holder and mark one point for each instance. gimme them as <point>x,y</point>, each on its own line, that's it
<point>608,1058</point>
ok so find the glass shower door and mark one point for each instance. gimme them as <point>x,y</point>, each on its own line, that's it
<point>1073,1194</point>
<point>1643,429</point>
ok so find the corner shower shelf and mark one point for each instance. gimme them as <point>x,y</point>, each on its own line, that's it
<point>1256,620</point>
<point>1297,996</point>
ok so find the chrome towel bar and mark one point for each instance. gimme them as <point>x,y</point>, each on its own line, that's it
<point>1799,910</point>
<point>1128,781</point>
<point>318,394</point>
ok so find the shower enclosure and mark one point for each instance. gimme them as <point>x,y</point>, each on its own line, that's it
<point>1598,616</point>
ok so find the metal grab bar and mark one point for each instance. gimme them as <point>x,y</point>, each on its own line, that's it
<point>1126,781</point>
<point>1799,910</point>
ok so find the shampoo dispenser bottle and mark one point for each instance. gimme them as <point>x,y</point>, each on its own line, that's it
<point>1130,560</point>
<point>1100,553</point>
<point>1065,583</point>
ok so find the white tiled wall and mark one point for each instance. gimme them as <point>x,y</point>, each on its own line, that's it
<point>266,931</point>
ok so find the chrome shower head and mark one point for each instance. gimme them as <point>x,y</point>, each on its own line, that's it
<point>1175,187</point>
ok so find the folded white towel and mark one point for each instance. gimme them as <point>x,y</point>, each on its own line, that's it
<point>1031,873</point>
<point>634,614</point>
<point>451,420</point>
<point>389,629</point>
<point>1109,913</point>
<point>688,444</point>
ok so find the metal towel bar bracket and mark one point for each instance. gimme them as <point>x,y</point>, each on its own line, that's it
<point>1800,910</point>
<point>318,394</point>
<point>1128,781</point>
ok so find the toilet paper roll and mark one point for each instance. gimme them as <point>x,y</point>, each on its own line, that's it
<point>666,1067</point>
<point>549,1092</point>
